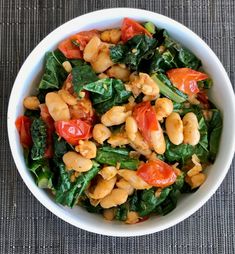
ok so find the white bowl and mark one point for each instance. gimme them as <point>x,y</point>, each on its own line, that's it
<point>221,94</point>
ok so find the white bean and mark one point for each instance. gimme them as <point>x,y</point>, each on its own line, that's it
<point>102,61</point>
<point>115,198</point>
<point>163,107</point>
<point>87,149</point>
<point>118,72</point>
<point>57,108</point>
<point>191,132</point>
<point>174,128</point>
<point>103,188</point>
<point>115,116</point>
<point>31,102</point>
<point>108,172</point>
<point>158,141</point>
<point>131,128</point>
<point>75,161</point>
<point>92,49</point>
<point>133,179</point>
<point>100,133</point>
<point>67,97</point>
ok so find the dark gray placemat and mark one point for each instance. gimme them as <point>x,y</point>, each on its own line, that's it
<point>25,225</point>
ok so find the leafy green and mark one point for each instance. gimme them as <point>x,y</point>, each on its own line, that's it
<point>68,193</point>
<point>54,73</point>
<point>82,74</point>
<point>150,27</point>
<point>41,171</point>
<point>106,93</point>
<point>137,49</point>
<point>90,208</point>
<point>121,212</point>
<point>60,146</point>
<point>148,201</point>
<point>112,156</point>
<point>215,129</point>
<point>32,114</point>
<point>184,57</point>
<point>39,136</point>
<point>206,84</point>
<point>169,203</point>
<point>167,89</point>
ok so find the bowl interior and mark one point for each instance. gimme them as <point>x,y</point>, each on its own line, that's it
<point>221,94</point>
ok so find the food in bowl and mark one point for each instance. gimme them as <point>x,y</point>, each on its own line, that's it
<point>121,123</point>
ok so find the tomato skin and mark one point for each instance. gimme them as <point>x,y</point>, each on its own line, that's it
<point>23,124</point>
<point>185,79</point>
<point>146,119</point>
<point>130,28</point>
<point>48,120</point>
<point>157,173</point>
<point>73,130</point>
<point>72,51</point>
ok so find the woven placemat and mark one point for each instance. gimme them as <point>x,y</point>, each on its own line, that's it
<point>25,225</point>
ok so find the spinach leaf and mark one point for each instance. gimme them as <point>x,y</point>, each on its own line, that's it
<point>90,208</point>
<point>68,193</point>
<point>112,156</point>
<point>184,57</point>
<point>32,114</point>
<point>54,73</point>
<point>206,84</point>
<point>167,89</point>
<point>41,171</point>
<point>121,212</point>
<point>148,201</point>
<point>39,136</point>
<point>215,129</point>
<point>169,203</point>
<point>106,93</point>
<point>170,54</point>
<point>82,75</point>
<point>60,146</point>
<point>137,49</point>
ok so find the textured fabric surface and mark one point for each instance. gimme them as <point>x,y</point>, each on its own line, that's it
<point>25,225</point>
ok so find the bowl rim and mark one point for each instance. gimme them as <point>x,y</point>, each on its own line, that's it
<point>52,206</point>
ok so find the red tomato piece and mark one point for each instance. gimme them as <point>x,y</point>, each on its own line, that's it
<point>23,124</point>
<point>185,79</point>
<point>48,120</point>
<point>73,130</point>
<point>72,51</point>
<point>130,28</point>
<point>157,173</point>
<point>146,119</point>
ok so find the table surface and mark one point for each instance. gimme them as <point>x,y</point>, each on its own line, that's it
<point>28,227</point>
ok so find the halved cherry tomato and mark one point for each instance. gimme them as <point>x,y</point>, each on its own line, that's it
<point>203,98</point>
<point>73,130</point>
<point>23,124</point>
<point>72,51</point>
<point>157,173</point>
<point>146,119</point>
<point>48,120</point>
<point>130,28</point>
<point>185,79</point>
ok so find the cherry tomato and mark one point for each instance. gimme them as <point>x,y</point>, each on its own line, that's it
<point>130,28</point>
<point>157,173</point>
<point>185,79</point>
<point>72,51</point>
<point>146,119</point>
<point>23,124</point>
<point>73,130</point>
<point>48,120</point>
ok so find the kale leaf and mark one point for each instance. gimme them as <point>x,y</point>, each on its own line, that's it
<point>215,129</point>
<point>54,74</point>
<point>39,136</point>
<point>106,93</point>
<point>134,51</point>
<point>112,156</point>
<point>68,193</point>
<point>82,74</point>
<point>41,171</point>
